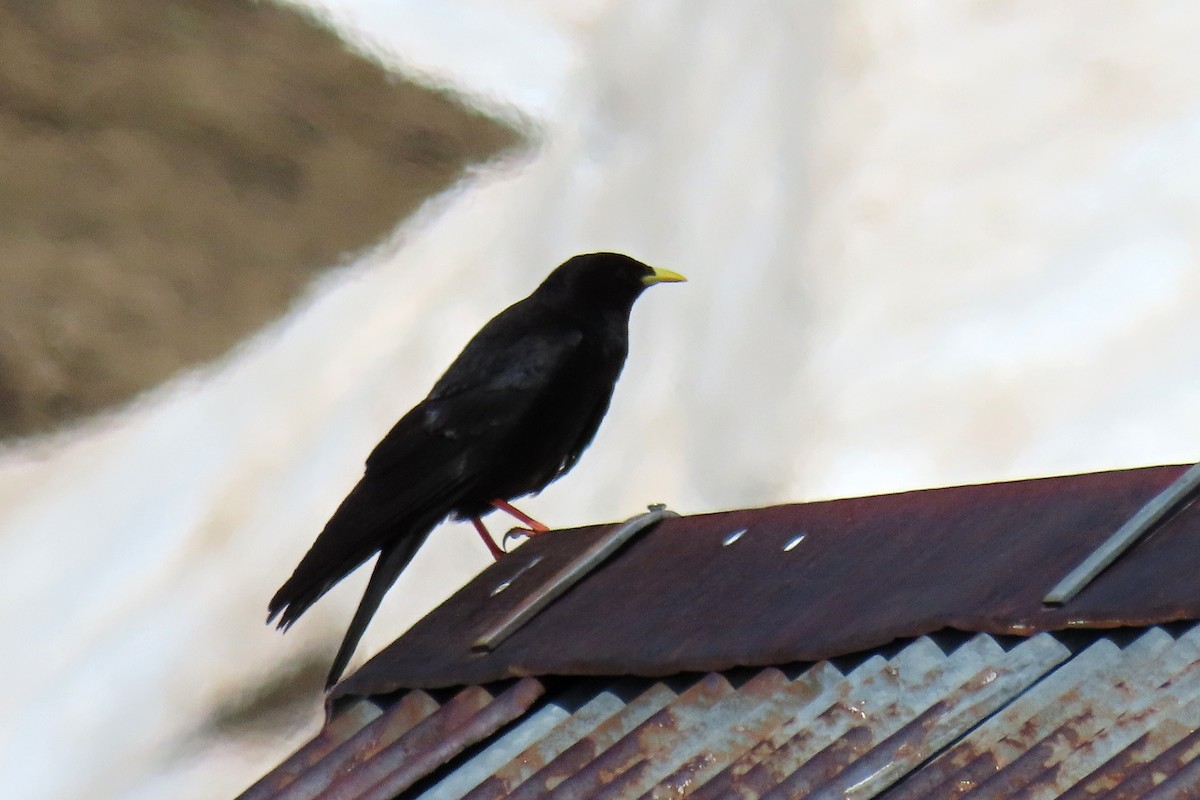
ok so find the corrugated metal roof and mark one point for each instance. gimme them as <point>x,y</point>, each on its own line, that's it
<point>975,720</point>
<point>796,642</point>
<point>689,596</point>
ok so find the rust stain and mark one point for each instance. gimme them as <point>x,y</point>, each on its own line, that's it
<point>950,782</point>
<point>1136,778</point>
<point>320,766</point>
<point>468,717</point>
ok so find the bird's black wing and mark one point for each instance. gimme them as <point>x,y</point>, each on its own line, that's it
<point>528,399</point>
<point>500,379</point>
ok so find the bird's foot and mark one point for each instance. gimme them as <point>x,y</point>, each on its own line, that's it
<point>517,534</point>
<point>535,527</point>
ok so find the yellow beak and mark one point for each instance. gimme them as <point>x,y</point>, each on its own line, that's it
<point>663,276</point>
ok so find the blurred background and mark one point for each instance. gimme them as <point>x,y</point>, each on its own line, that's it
<point>927,244</point>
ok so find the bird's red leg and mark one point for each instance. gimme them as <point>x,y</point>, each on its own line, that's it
<point>492,547</point>
<point>535,527</point>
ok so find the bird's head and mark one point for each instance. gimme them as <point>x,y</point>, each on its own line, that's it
<point>609,279</point>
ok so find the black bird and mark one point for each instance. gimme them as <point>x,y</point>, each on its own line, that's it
<point>512,413</point>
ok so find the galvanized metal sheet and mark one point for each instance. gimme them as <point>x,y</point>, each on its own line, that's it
<point>391,751</point>
<point>687,596</point>
<point>1033,721</point>
<point>318,765</point>
<point>1082,731</point>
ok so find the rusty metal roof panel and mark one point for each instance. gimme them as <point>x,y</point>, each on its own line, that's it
<point>942,717</point>
<point>866,571</point>
<point>823,650</point>
<point>370,755</point>
<point>535,730</point>
<point>1086,726</point>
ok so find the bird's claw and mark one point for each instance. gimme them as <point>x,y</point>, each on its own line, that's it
<point>516,533</point>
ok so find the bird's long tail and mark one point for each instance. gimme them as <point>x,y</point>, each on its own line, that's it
<point>392,561</point>
<point>370,520</point>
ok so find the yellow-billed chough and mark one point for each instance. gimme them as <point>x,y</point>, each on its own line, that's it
<point>511,414</point>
